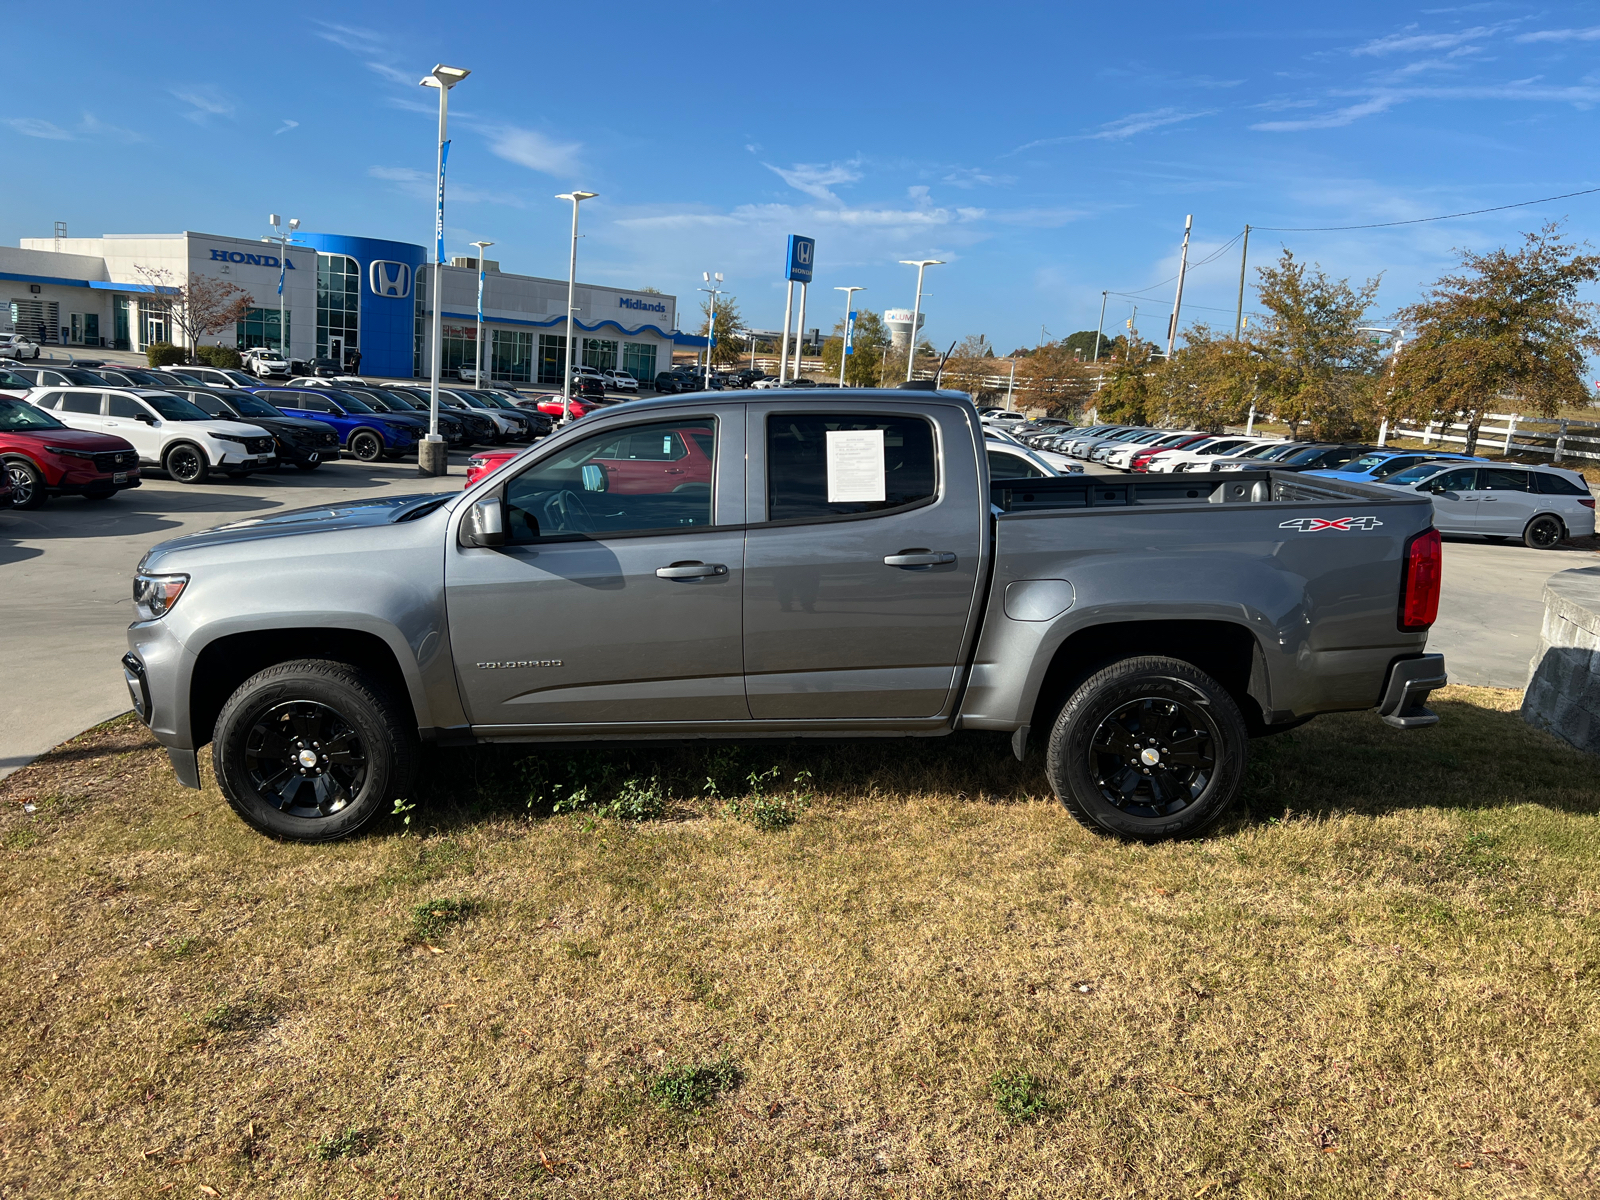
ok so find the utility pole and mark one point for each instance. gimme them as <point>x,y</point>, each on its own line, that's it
<point>1177,300</point>
<point>1100,327</point>
<point>1238,317</point>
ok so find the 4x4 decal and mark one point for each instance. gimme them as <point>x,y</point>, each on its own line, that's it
<point>1318,524</point>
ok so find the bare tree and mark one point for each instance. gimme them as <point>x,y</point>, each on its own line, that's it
<point>201,306</point>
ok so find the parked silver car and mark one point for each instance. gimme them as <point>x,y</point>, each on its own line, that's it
<point>1542,506</point>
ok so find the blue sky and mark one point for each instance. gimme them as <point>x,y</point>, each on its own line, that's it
<point>1046,151</point>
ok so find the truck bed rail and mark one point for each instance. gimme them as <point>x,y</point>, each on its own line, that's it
<point>1242,487</point>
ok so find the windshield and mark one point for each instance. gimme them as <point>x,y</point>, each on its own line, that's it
<point>240,378</point>
<point>15,415</point>
<point>469,398</point>
<point>253,406</point>
<point>491,398</point>
<point>172,408</point>
<point>143,378</point>
<point>1304,455</point>
<point>1360,466</point>
<point>347,401</point>
<point>1270,450</point>
<point>82,378</point>
<point>1417,474</point>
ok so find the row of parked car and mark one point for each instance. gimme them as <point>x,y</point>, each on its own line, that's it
<point>1542,506</point>
<point>91,431</point>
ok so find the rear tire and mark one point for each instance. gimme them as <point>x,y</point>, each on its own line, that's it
<point>28,488</point>
<point>1148,749</point>
<point>311,750</point>
<point>1544,532</point>
<point>186,463</point>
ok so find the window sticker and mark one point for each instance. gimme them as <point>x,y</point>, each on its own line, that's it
<point>855,466</point>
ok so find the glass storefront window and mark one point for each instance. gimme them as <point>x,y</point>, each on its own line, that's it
<point>338,302</point>
<point>460,349</point>
<point>552,349</point>
<point>600,353</point>
<point>419,333</point>
<point>260,328</point>
<point>512,356</point>
<point>639,360</point>
<point>119,324</point>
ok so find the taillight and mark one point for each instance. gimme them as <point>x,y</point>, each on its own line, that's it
<point>1589,503</point>
<point>1419,587</point>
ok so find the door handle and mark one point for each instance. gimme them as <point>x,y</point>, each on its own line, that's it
<point>919,558</point>
<point>691,570</point>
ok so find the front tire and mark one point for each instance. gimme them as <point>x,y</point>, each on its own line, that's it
<point>1149,749</point>
<point>366,445</point>
<point>28,487</point>
<point>311,750</point>
<point>1544,532</point>
<point>187,463</point>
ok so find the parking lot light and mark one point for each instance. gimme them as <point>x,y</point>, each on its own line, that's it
<point>477,379</point>
<point>572,288</point>
<point>921,264</point>
<point>845,345</point>
<point>432,456</point>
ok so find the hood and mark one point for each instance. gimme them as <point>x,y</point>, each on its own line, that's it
<point>361,514</point>
<point>215,425</point>
<point>78,439</point>
<point>304,423</point>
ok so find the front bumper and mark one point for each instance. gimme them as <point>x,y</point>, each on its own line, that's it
<point>1405,693</point>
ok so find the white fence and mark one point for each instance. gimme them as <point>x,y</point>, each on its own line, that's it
<point>1509,433</point>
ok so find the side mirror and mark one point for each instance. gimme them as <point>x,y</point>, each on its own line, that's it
<point>485,524</point>
<point>594,478</point>
<point>147,418</point>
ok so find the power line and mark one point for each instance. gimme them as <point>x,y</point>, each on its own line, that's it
<point>1421,220</point>
<point>1219,251</point>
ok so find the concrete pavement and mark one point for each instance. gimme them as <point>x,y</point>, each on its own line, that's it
<point>68,571</point>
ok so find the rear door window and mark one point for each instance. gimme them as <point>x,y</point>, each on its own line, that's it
<point>1550,484</point>
<point>827,465</point>
<point>1501,479</point>
<point>81,402</point>
<point>1011,466</point>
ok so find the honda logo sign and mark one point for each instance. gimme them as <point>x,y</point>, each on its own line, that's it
<point>391,279</point>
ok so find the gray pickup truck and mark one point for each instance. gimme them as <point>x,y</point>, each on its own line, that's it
<point>837,566</point>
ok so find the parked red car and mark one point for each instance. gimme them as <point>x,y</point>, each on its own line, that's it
<point>550,406</point>
<point>481,464</point>
<point>44,458</point>
<point>654,462</point>
<point>1141,460</point>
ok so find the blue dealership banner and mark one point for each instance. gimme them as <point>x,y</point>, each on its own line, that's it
<point>850,333</point>
<point>802,250</point>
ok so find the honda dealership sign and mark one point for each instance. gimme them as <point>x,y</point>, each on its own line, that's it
<point>390,278</point>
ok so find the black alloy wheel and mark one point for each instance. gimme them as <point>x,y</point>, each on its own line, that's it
<point>1148,748</point>
<point>366,445</point>
<point>1544,532</point>
<point>28,488</point>
<point>187,463</point>
<point>313,749</point>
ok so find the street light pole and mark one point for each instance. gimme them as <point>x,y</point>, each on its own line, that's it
<point>847,346</point>
<point>477,375</point>
<point>283,258</point>
<point>433,457</point>
<point>921,264</point>
<point>572,291</point>
<point>714,291</point>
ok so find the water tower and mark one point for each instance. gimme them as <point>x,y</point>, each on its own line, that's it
<point>899,322</point>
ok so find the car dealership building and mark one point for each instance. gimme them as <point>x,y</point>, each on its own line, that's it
<point>341,295</point>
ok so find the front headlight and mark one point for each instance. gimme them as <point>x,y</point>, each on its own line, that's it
<point>225,437</point>
<point>154,595</point>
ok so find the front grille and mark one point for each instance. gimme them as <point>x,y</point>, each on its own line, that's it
<point>258,445</point>
<point>114,460</point>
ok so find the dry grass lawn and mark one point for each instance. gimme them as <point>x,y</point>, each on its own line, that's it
<point>1380,977</point>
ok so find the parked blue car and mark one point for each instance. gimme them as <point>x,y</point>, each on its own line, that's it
<point>364,432</point>
<point>1378,465</point>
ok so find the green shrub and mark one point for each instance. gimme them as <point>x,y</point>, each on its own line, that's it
<point>431,921</point>
<point>225,357</point>
<point>761,808</point>
<point>686,1087</point>
<point>352,1143</point>
<point>164,354</point>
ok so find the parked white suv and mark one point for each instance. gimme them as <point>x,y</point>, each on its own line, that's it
<point>619,381</point>
<point>167,431</point>
<point>264,363</point>
<point>1169,461</point>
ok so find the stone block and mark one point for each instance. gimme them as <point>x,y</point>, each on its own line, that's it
<point>1563,691</point>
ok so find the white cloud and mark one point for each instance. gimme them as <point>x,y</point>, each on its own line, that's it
<point>1336,119</point>
<point>1133,123</point>
<point>351,37</point>
<point>814,179</point>
<point>409,181</point>
<point>392,74</point>
<point>1407,42</point>
<point>532,149</point>
<point>286,126</point>
<point>35,128</point>
<point>1591,34</point>
<point>205,102</point>
<point>93,127</point>
<point>399,174</point>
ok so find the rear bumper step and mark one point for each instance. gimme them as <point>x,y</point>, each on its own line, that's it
<point>1410,681</point>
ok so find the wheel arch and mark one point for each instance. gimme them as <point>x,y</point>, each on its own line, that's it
<point>227,661</point>
<point>181,440</point>
<point>372,429</point>
<point>1225,650</point>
